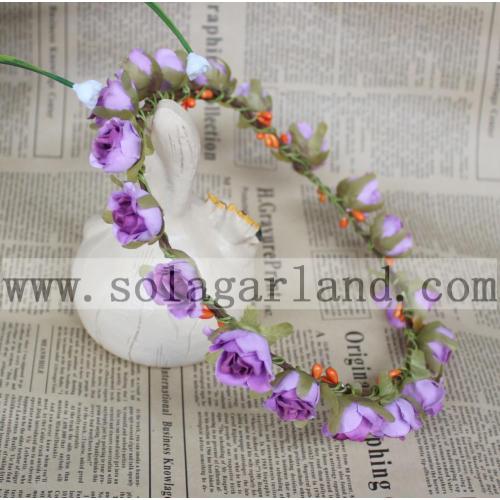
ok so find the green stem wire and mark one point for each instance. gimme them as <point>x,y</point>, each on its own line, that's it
<point>175,30</point>
<point>18,63</point>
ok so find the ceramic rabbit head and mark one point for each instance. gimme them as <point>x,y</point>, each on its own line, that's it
<point>218,234</point>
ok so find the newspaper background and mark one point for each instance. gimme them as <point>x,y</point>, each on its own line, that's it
<point>408,90</point>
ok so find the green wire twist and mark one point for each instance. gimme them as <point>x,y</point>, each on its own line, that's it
<point>18,63</point>
<point>175,30</point>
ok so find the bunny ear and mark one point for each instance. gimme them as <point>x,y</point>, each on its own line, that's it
<point>172,167</point>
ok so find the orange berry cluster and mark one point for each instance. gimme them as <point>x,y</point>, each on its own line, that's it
<point>330,376</point>
<point>269,140</point>
<point>265,118</point>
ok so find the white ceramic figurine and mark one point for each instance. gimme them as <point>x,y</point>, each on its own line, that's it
<point>143,332</point>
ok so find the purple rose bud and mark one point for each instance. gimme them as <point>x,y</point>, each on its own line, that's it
<point>117,146</point>
<point>389,236</point>
<point>360,193</point>
<point>143,71</point>
<point>245,360</point>
<point>177,286</point>
<point>172,66</point>
<point>131,222</point>
<point>356,423</point>
<point>406,419</point>
<point>243,89</point>
<point>439,351</point>
<point>306,131</point>
<point>218,76</point>
<point>428,393</point>
<point>115,97</point>
<point>141,60</point>
<point>287,404</point>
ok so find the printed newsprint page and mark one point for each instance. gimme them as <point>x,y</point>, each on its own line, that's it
<point>411,91</point>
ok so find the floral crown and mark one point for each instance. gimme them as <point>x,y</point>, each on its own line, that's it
<point>241,348</point>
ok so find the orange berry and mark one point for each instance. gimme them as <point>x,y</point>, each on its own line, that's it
<point>317,370</point>
<point>271,141</point>
<point>344,222</point>
<point>207,94</point>
<point>389,261</point>
<point>264,118</point>
<point>260,136</point>
<point>398,312</point>
<point>284,138</point>
<point>395,373</point>
<point>332,375</point>
<point>359,216</point>
<point>220,324</point>
<point>322,197</point>
<point>206,313</point>
<point>189,102</point>
<point>275,142</point>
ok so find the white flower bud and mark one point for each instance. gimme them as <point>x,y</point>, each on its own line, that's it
<point>88,92</point>
<point>196,65</point>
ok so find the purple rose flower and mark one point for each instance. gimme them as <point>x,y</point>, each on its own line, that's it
<point>287,404</point>
<point>428,393</point>
<point>115,97</point>
<point>389,236</point>
<point>245,360</point>
<point>356,423</point>
<point>176,285</point>
<point>130,221</point>
<point>117,146</point>
<point>406,419</point>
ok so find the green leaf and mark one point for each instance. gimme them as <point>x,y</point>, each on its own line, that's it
<point>144,270</point>
<point>417,365</point>
<point>281,157</point>
<point>387,389</point>
<point>328,396</point>
<point>211,357</point>
<point>133,172</point>
<point>300,424</point>
<point>112,113</point>
<point>107,217</point>
<point>250,318</point>
<point>134,244</point>
<point>259,395</point>
<point>148,145</point>
<point>116,181</point>
<point>275,332</point>
<point>243,122</point>
<point>316,140</point>
<point>147,201</point>
<point>305,384</point>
